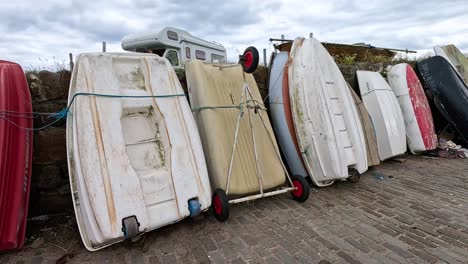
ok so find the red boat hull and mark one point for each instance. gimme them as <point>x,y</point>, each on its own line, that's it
<point>421,108</point>
<point>15,154</point>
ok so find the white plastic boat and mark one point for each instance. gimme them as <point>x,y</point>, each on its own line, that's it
<point>135,164</point>
<point>385,112</point>
<point>326,121</point>
<point>281,116</point>
<point>415,108</point>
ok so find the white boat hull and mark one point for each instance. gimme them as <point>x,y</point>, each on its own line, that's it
<point>131,157</point>
<point>326,121</point>
<point>385,112</point>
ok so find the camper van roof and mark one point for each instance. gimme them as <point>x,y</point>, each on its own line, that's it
<point>169,36</point>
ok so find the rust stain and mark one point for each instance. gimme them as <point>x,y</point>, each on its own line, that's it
<point>102,160</point>
<point>301,41</point>
<point>104,169</point>
<point>187,137</point>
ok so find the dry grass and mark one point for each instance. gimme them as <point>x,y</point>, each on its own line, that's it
<point>51,65</point>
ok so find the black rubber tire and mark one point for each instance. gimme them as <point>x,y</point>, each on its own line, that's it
<point>354,176</point>
<point>251,53</point>
<point>303,191</point>
<point>220,204</point>
<point>130,227</point>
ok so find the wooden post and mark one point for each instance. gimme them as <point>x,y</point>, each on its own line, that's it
<point>71,61</point>
<point>311,35</point>
<point>103,46</point>
<point>264,58</point>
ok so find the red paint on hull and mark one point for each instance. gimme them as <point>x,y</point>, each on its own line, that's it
<point>287,111</point>
<point>15,155</point>
<point>421,109</point>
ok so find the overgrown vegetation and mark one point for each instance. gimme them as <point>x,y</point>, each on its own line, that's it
<point>377,59</point>
<point>52,65</point>
<point>348,59</point>
<point>351,59</point>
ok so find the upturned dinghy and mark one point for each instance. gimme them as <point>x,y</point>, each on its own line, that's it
<point>135,158</point>
<point>385,112</point>
<point>16,142</point>
<point>281,116</point>
<point>326,120</point>
<point>447,91</point>
<point>243,159</point>
<point>419,125</point>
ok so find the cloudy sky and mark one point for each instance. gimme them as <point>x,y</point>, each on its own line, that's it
<point>40,34</point>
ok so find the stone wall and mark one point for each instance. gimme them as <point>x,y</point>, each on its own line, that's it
<point>349,71</point>
<point>50,191</point>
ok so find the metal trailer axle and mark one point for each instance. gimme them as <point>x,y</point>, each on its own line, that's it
<point>258,196</point>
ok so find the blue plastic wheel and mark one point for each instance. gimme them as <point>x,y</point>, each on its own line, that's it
<point>194,207</point>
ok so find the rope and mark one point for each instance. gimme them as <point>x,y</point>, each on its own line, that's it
<point>123,96</point>
<point>29,128</point>
<point>198,109</point>
<point>25,114</point>
<point>257,105</point>
<point>276,80</point>
<point>4,114</point>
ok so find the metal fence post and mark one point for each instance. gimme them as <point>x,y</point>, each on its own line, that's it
<point>264,58</point>
<point>71,61</point>
<point>103,46</point>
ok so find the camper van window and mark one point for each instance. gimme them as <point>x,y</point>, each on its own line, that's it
<point>187,52</point>
<point>201,55</point>
<point>160,52</point>
<point>172,35</point>
<point>215,58</point>
<point>172,57</point>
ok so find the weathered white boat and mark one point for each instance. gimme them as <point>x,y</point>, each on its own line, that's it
<point>326,121</point>
<point>456,58</point>
<point>385,112</point>
<point>281,117</point>
<point>417,114</point>
<point>135,161</point>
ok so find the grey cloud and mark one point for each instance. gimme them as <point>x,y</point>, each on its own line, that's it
<point>389,23</point>
<point>54,28</point>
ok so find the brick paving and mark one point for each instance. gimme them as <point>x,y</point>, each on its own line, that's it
<point>411,212</point>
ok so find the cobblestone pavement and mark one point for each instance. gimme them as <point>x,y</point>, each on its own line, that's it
<point>411,212</point>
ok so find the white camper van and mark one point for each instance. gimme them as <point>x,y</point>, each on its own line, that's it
<point>177,45</point>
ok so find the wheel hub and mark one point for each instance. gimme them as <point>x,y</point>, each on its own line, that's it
<point>298,191</point>
<point>217,205</point>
